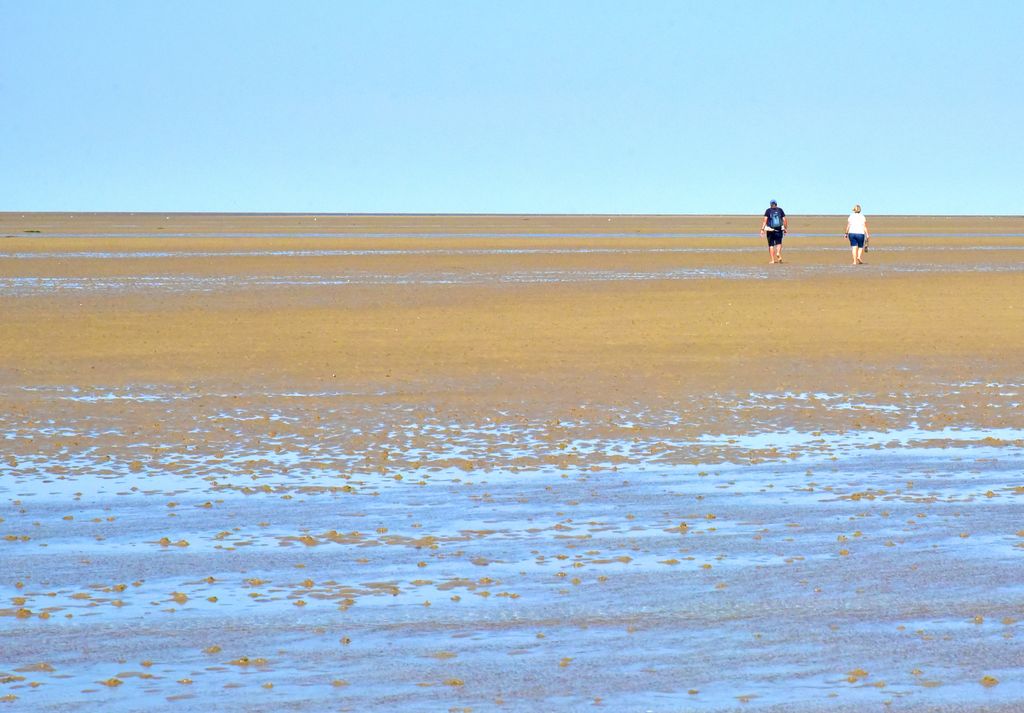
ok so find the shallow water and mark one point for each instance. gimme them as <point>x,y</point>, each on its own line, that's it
<point>344,551</point>
<point>931,234</point>
<point>150,254</point>
<point>40,286</point>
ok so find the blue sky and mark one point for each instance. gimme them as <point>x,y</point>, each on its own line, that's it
<point>520,107</point>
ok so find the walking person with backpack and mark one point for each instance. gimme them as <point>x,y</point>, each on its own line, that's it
<point>857,233</point>
<point>774,226</point>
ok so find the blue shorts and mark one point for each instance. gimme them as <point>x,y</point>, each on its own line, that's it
<point>856,240</point>
<point>774,237</point>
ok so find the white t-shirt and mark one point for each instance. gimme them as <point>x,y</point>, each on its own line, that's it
<point>856,223</point>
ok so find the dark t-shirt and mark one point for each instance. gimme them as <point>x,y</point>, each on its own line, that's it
<point>768,214</point>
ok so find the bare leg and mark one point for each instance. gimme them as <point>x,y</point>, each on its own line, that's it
<point>853,252</point>
<point>771,256</point>
<point>778,252</point>
<point>860,252</point>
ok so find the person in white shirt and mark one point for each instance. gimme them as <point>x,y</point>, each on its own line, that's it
<point>857,233</point>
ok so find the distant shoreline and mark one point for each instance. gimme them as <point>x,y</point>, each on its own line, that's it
<point>285,214</point>
<point>326,225</point>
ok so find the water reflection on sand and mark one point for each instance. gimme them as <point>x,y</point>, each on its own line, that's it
<point>350,551</point>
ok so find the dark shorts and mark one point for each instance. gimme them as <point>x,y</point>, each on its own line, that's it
<point>774,237</point>
<point>856,240</point>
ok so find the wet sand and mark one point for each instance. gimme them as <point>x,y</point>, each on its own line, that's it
<point>509,462</point>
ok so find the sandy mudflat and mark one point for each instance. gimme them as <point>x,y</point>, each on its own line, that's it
<point>509,462</point>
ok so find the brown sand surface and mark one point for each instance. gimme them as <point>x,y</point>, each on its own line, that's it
<point>955,311</point>
<point>509,463</point>
<point>256,224</point>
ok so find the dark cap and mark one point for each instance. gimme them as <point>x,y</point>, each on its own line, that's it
<point>775,203</point>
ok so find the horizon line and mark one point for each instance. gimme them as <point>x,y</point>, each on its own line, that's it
<point>357,214</point>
